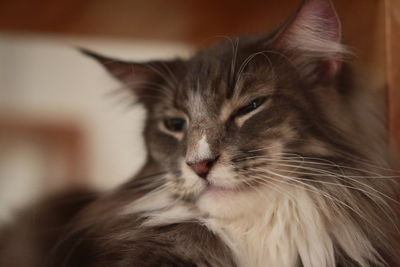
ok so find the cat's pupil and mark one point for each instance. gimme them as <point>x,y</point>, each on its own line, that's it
<point>175,124</point>
<point>250,107</point>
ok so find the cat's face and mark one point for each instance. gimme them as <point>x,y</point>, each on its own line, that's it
<point>224,120</point>
<point>231,116</point>
<point>218,131</point>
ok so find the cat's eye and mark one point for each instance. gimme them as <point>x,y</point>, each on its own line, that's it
<point>250,107</point>
<point>175,124</point>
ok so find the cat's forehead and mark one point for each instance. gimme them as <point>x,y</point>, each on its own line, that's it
<point>223,75</point>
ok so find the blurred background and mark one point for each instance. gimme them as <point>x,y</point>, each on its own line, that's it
<point>65,123</point>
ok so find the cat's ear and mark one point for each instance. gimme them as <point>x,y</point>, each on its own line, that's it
<point>145,79</point>
<point>313,35</point>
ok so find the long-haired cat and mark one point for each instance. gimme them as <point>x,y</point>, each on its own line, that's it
<point>261,153</point>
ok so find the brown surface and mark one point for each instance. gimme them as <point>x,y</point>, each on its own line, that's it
<point>393,61</point>
<point>156,19</point>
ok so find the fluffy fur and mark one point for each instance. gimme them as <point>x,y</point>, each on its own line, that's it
<point>297,170</point>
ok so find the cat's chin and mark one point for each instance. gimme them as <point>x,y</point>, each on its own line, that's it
<point>222,202</point>
<point>221,191</point>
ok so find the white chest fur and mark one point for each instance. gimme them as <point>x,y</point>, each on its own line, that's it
<point>277,230</point>
<point>285,229</point>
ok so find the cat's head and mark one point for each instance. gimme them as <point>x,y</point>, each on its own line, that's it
<point>230,116</point>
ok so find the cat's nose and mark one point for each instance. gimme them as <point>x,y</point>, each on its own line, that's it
<point>203,167</point>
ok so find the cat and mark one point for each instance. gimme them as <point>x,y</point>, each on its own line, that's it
<point>263,151</point>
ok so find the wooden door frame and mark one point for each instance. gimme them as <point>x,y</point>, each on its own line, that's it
<point>392,31</point>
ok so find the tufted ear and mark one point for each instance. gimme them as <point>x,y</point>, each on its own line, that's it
<point>314,35</point>
<point>146,80</point>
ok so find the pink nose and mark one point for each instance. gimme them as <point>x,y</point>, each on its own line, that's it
<point>202,168</point>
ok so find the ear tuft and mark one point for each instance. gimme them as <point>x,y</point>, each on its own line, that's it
<point>91,54</point>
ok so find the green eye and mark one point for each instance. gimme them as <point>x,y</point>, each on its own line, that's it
<point>250,107</point>
<point>175,124</point>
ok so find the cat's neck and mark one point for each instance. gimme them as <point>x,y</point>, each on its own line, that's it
<point>272,237</point>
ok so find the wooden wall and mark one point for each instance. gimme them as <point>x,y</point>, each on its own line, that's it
<point>393,66</point>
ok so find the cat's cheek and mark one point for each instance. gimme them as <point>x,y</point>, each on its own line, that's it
<point>163,147</point>
<point>223,175</point>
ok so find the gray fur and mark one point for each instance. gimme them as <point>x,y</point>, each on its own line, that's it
<point>310,129</point>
